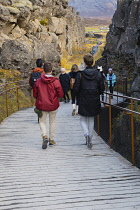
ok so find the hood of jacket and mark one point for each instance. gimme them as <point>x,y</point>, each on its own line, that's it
<point>90,73</point>
<point>47,79</point>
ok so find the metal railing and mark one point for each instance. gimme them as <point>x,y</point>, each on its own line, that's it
<point>7,90</point>
<point>131,103</point>
<point>121,86</point>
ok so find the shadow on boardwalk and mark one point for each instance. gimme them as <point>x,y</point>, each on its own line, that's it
<point>66,176</point>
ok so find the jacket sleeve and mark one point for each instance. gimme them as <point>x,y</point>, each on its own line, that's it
<point>35,90</point>
<point>58,88</point>
<point>76,87</point>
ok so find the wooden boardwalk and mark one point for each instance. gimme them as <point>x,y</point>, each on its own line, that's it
<point>66,176</point>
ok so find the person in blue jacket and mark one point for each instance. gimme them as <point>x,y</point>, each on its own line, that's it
<point>111,80</point>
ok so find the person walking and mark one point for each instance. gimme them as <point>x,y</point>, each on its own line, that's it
<point>100,69</point>
<point>65,82</point>
<point>74,97</point>
<point>47,90</point>
<point>111,80</point>
<point>36,73</point>
<point>90,85</point>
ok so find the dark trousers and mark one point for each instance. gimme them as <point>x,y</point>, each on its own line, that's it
<point>111,89</point>
<point>66,96</point>
<point>74,98</point>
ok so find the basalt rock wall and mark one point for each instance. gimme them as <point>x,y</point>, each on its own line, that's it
<point>123,39</point>
<point>31,29</point>
<point>122,50</point>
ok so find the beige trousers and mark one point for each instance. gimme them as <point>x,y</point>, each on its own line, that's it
<point>42,123</point>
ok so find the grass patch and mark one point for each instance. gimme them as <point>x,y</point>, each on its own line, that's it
<point>24,100</point>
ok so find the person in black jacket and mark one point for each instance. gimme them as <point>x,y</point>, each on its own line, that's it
<point>89,85</point>
<point>65,83</point>
<point>74,97</point>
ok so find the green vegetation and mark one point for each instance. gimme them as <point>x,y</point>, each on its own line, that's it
<point>44,22</point>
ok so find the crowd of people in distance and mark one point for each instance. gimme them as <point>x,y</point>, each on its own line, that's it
<point>82,88</point>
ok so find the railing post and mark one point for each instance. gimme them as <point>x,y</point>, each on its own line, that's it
<point>7,104</point>
<point>98,122</point>
<point>110,122</point>
<point>17,99</point>
<point>126,86</point>
<point>132,133</point>
<point>117,90</point>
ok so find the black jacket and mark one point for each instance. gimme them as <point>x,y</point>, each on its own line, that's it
<point>65,82</point>
<point>90,85</point>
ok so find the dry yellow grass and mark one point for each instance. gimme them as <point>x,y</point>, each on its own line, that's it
<point>77,57</point>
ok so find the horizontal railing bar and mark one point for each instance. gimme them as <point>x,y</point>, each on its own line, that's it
<point>11,83</point>
<point>13,88</point>
<point>121,108</point>
<point>121,96</point>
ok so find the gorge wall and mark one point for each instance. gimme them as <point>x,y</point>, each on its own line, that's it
<point>123,39</point>
<point>122,50</point>
<point>31,29</point>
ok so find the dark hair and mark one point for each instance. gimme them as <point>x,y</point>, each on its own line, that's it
<point>74,67</point>
<point>47,67</point>
<point>88,59</point>
<point>39,62</point>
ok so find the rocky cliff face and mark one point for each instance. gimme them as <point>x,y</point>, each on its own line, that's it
<point>31,29</point>
<point>94,8</point>
<point>122,51</point>
<point>123,39</point>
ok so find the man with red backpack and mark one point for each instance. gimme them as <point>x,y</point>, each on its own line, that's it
<point>47,90</point>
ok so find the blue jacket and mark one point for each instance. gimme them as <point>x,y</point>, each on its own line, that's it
<point>111,79</point>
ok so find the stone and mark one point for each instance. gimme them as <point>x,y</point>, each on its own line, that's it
<point>15,55</point>
<point>3,38</point>
<point>8,28</point>
<point>33,27</point>
<point>18,32</point>
<point>13,10</point>
<point>45,37</point>
<point>57,25</point>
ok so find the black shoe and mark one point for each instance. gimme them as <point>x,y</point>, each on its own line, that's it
<point>44,142</point>
<point>88,142</point>
<point>86,139</point>
<point>68,100</point>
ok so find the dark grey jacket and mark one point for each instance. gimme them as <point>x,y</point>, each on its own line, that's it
<point>89,85</point>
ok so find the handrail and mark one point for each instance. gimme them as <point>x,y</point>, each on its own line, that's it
<point>8,83</point>
<point>122,96</point>
<point>127,111</point>
<point>17,96</point>
<point>7,90</point>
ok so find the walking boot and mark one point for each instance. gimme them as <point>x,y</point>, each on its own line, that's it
<point>52,142</point>
<point>44,142</point>
<point>73,112</point>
